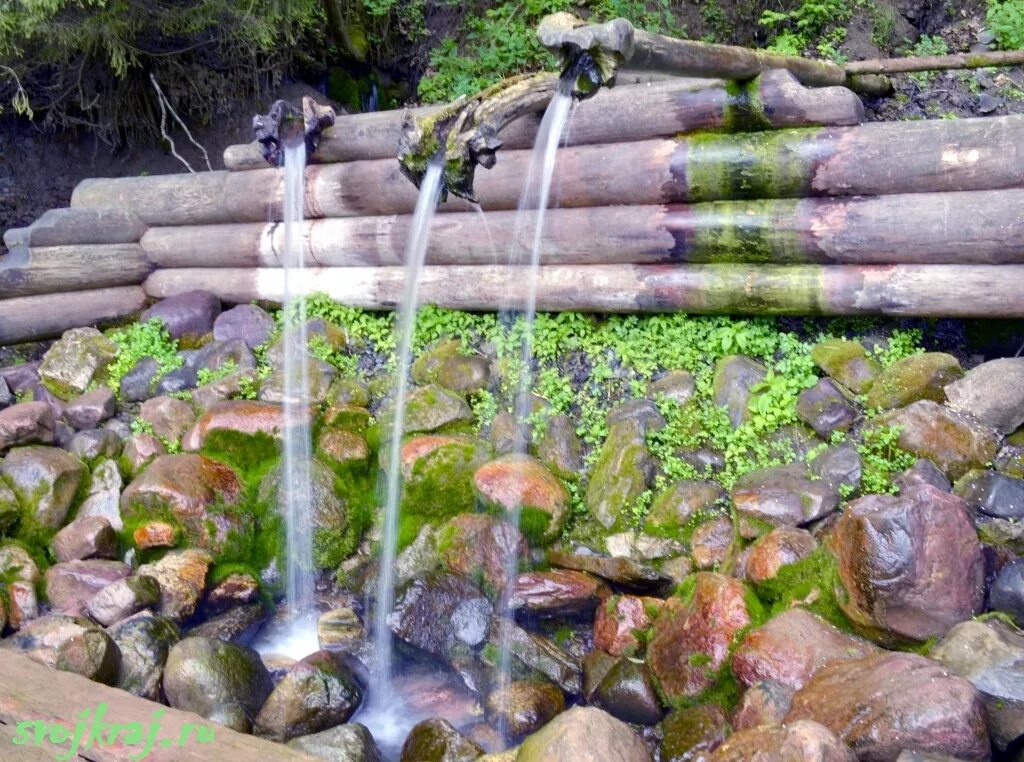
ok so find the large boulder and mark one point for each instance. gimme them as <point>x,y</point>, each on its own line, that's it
<point>70,644</point>
<point>85,537</point>
<point>518,482</point>
<point>245,417</point>
<point>122,598</point>
<point>887,702</point>
<point>208,677</point>
<point>584,734</point>
<point>993,392</point>
<point>26,423</point>
<point>144,640</point>
<point>784,496</point>
<point>911,565</point>
<point>441,614</point>
<point>328,512</point>
<point>990,655</point>
<point>181,575</point>
<point>45,480</point>
<point>430,408</point>
<point>437,473</point>
<point>74,360</point>
<point>802,740</point>
<point>319,692</point>
<point>186,487</point>
<point>693,635</point>
<point>847,362</point>
<point>917,377</point>
<point>791,647</point>
<point>950,440</point>
<point>191,313</point>
<point>623,471</point>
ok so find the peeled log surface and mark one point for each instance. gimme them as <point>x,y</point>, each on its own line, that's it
<point>619,114</point>
<point>983,227</point>
<point>74,268</point>
<point>68,227</point>
<point>41,317</point>
<point>922,290</point>
<point>872,159</point>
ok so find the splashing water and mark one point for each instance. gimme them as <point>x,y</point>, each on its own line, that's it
<point>295,635</point>
<point>535,198</point>
<point>416,249</point>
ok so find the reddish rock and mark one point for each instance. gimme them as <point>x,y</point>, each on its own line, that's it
<point>139,451</point>
<point>711,542</point>
<point>791,647</point>
<point>187,486</point>
<point>87,537</point>
<point>91,409</point>
<point>617,619</point>
<point>155,534</point>
<point>805,741</point>
<point>559,592</point>
<point>235,589</point>
<point>239,416</point>
<point>342,447</point>
<point>474,544</point>
<point>70,585</point>
<point>181,575</point>
<point>912,565</point>
<point>22,575</point>
<point>169,417</point>
<point>783,496</point>
<point>619,571</point>
<point>888,702</point>
<point>781,546</point>
<point>763,703</point>
<point>519,481</point>
<point>692,638</point>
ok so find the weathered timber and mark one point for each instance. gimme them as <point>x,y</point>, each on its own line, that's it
<point>68,227</point>
<point>936,63</point>
<point>32,692</point>
<point>983,227</point>
<point>870,159</point>
<point>55,269</point>
<point>975,291</point>
<point>620,114</point>
<point>27,318</point>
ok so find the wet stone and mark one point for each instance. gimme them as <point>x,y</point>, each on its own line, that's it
<point>94,445</point>
<point>72,584</point>
<point>617,621</point>
<point>123,598</point>
<point>803,739</point>
<point>524,706</point>
<point>479,546</point>
<point>26,423</point>
<point>826,407</point>
<point>340,629</point>
<point>922,472</point>
<point>627,692</point>
<point>784,496</point>
<point>584,734</point>
<point>559,592</point>
<point>993,494</point>
<point>169,417</point>
<point>350,742</point>
<point>672,509</point>
<point>689,733</point>
<point>70,644</point>
<point>240,624</point>
<point>437,740</point>
<point>85,537</point>
<point>711,543</point>
<point>763,703</point>
<point>676,385</point>
<point>144,641</point>
<point>847,362</point>
<point>139,383</point>
<point>236,589</point>
<point>440,614</point>
<point>992,392</point>
<point>838,466</point>
<point>917,377</point>
<point>560,449</point>
<point>623,572</point>
<point>91,409</point>
<point>190,313</point>
<point>71,363</point>
<point>781,546</point>
<point>735,378</point>
<point>45,480</point>
<point>247,322</point>
<point>1007,592</point>
<point>539,655</point>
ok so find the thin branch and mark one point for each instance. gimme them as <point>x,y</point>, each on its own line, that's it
<point>165,106</point>
<point>937,63</point>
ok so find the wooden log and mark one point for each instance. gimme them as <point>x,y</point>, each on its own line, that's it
<point>871,159</point>
<point>984,227</point>
<point>619,114</point>
<point>70,227</point>
<point>33,692</point>
<point>56,269</point>
<point>28,318</point>
<point>951,291</point>
<point>936,63</point>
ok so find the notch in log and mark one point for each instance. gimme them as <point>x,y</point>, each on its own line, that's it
<point>283,123</point>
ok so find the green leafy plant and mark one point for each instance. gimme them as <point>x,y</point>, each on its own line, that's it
<point>882,459</point>
<point>1006,20</point>
<point>137,341</point>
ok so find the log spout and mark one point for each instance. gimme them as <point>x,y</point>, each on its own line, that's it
<point>284,122</point>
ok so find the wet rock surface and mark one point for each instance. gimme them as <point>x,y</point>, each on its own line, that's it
<point>559,592</point>
<point>70,644</point>
<point>440,613</point>
<point>584,734</point>
<point>525,706</point>
<point>688,734</point>
<point>803,739</point>
<point>784,495</point>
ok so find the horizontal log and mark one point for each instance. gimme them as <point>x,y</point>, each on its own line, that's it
<point>28,318</point>
<point>69,227</point>
<point>871,159</point>
<point>983,227</point>
<point>619,114</point>
<point>55,269</point>
<point>964,291</point>
<point>32,692</point>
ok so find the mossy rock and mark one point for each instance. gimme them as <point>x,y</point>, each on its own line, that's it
<point>75,360</point>
<point>623,472</point>
<point>437,474</point>
<point>918,377</point>
<point>46,482</point>
<point>519,482</point>
<point>847,362</point>
<point>430,408</point>
<point>347,416</point>
<point>677,509</point>
<point>349,391</point>
<point>10,511</point>
<point>428,364</point>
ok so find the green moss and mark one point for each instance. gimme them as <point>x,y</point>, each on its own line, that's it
<point>698,659</point>
<point>812,582</point>
<point>534,524</point>
<point>409,526</point>
<point>250,455</point>
<point>744,111</point>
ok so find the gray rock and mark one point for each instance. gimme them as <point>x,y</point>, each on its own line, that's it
<point>584,734</point>
<point>69,366</point>
<point>247,322</point>
<point>70,644</point>
<point>993,392</point>
<point>993,494</point>
<point>26,423</point>
<point>784,496</point>
<point>204,674</point>
<point>917,377</point>
<point>217,354</point>
<point>123,598</point>
<point>139,383</point>
<point>91,409</point>
<point>524,706</point>
<point>991,656</point>
<point>735,377</point>
<point>94,445</point>
<point>21,377</point>
<point>643,413</point>
<point>240,624</point>
<point>190,313</point>
<point>623,471</point>
<point>6,395</point>
<point>838,466</point>
<point>321,375</point>
<point>179,380</point>
<point>560,449</point>
<point>72,584</point>
<point>923,472</point>
<point>85,537</point>
<point>535,654</point>
<point>169,417</point>
<point>350,742</point>
<point>144,640</point>
<point>45,480</point>
<point>1007,591</point>
<point>104,498</point>
<point>826,407</point>
<point>441,614</point>
<point>676,385</point>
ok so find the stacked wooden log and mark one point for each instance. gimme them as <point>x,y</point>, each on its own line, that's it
<point>765,198</point>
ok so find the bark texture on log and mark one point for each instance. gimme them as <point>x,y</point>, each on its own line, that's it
<point>907,290</point>
<point>983,227</point>
<point>871,159</point>
<point>56,269</point>
<point>619,114</point>
<point>69,227</point>
<point>29,318</point>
